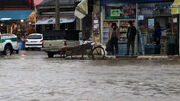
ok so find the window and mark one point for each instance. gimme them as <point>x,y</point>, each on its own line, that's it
<point>34,37</point>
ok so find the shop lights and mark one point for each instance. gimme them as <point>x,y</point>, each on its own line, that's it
<point>22,20</point>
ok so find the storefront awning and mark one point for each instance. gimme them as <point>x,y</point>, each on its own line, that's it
<point>82,9</point>
<point>131,1</point>
<point>14,14</point>
<point>175,7</point>
<point>44,21</point>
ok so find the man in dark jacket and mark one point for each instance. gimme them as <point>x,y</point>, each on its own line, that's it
<point>113,37</point>
<point>157,32</point>
<point>131,34</point>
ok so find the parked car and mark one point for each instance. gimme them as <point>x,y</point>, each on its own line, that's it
<point>8,43</point>
<point>34,40</point>
<point>55,40</point>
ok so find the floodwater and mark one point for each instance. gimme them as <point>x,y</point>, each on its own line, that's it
<point>34,77</point>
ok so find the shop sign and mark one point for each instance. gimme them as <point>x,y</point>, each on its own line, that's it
<point>123,11</point>
<point>141,17</point>
<point>115,12</point>
<point>174,20</point>
<point>151,23</point>
<point>175,7</point>
<point>175,10</point>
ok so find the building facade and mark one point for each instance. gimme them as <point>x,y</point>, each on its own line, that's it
<point>144,14</point>
<point>13,16</point>
<point>46,15</point>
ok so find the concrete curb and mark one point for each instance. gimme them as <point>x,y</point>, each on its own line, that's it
<point>152,57</point>
<point>145,57</point>
<point>121,57</point>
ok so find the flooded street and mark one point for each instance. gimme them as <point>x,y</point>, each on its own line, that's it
<point>34,77</point>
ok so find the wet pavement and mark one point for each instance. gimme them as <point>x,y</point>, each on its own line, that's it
<point>34,77</point>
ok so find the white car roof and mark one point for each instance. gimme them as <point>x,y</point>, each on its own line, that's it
<point>7,34</point>
<point>35,34</point>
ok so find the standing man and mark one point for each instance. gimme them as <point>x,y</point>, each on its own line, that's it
<point>113,37</point>
<point>157,32</point>
<point>131,34</point>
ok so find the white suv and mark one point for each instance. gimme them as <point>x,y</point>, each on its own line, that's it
<point>8,43</point>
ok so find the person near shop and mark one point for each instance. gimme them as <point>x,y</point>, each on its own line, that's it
<point>157,33</point>
<point>1,30</point>
<point>131,34</point>
<point>21,44</point>
<point>113,37</point>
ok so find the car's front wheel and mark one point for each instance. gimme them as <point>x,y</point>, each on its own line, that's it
<point>8,50</point>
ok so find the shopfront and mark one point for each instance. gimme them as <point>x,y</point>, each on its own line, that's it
<point>120,14</point>
<point>13,21</point>
<point>151,14</point>
<point>175,11</point>
<point>45,23</point>
<point>145,14</point>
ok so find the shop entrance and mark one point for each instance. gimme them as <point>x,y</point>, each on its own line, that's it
<point>151,14</point>
<point>120,14</point>
<point>152,40</point>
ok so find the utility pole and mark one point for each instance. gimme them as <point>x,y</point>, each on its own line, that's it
<point>57,27</point>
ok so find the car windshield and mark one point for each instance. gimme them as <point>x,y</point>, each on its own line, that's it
<point>34,37</point>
